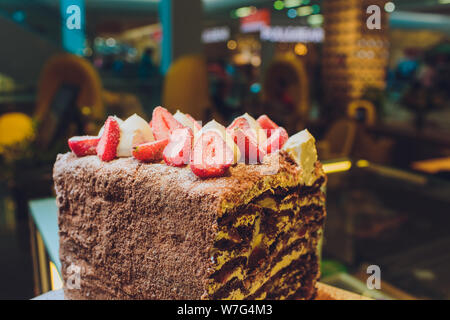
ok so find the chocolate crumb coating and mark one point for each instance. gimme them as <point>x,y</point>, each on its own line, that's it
<point>151,231</point>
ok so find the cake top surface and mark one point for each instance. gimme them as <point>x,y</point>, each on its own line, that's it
<point>238,186</point>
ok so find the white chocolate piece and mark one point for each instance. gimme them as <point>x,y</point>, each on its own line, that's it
<point>185,121</point>
<point>302,147</point>
<point>133,131</point>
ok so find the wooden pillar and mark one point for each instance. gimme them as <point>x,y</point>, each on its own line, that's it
<point>355,57</point>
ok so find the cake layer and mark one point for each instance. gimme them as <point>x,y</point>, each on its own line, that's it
<point>261,243</point>
<point>151,231</point>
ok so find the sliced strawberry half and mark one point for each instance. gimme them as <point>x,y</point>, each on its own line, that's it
<point>163,123</point>
<point>150,151</point>
<point>267,124</point>
<point>84,145</point>
<point>241,123</point>
<point>276,141</point>
<point>251,152</point>
<point>178,152</point>
<point>107,146</point>
<point>211,156</point>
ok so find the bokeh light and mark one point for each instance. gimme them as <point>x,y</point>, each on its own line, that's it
<point>389,7</point>
<point>300,49</point>
<point>315,9</point>
<point>292,3</point>
<point>315,20</point>
<point>304,11</point>
<point>278,5</point>
<point>292,13</point>
<point>231,44</point>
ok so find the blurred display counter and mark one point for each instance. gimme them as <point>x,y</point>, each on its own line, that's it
<point>407,132</point>
<point>17,98</point>
<point>17,103</point>
<point>396,219</point>
<point>394,143</point>
<point>432,166</point>
<point>45,244</point>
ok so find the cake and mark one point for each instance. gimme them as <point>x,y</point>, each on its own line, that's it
<point>149,230</point>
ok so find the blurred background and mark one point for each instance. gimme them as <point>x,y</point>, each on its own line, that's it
<point>371,85</point>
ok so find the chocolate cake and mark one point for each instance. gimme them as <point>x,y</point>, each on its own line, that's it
<point>151,231</point>
<point>139,230</point>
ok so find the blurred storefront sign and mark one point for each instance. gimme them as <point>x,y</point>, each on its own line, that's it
<point>153,31</point>
<point>216,34</point>
<point>256,21</point>
<point>292,34</point>
<point>73,26</point>
<point>416,20</point>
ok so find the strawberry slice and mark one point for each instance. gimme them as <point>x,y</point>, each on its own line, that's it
<point>276,141</point>
<point>251,152</point>
<point>84,145</point>
<point>267,124</point>
<point>211,156</point>
<point>150,151</point>
<point>241,123</point>
<point>178,152</point>
<point>163,123</point>
<point>107,146</point>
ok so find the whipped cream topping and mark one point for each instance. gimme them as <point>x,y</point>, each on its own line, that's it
<point>302,147</point>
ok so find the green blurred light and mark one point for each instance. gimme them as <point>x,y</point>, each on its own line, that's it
<point>306,1</point>
<point>278,5</point>
<point>292,3</point>
<point>243,12</point>
<point>304,11</point>
<point>315,20</point>
<point>315,9</point>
